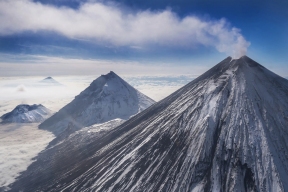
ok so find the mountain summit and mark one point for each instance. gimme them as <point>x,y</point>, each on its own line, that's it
<point>26,114</point>
<point>108,97</point>
<point>224,131</point>
<point>49,81</point>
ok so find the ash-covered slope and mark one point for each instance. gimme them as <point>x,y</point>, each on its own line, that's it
<point>26,114</point>
<point>108,97</point>
<point>224,131</point>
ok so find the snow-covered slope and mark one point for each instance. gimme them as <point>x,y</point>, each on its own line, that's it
<point>27,114</point>
<point>224,131</point>
<point>108,97</point>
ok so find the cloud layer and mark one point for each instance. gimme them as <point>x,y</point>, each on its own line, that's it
<point>110,24</point>
<point>33,65</point>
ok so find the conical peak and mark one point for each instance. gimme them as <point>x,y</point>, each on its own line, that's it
<point>245,61</point>
<point>110,75</point>
<point>233,67</point>
<point>113,80</point>
<point>244,58</point>
<point>50,81</point>
<point>109,79</point>
<point>29,107</point>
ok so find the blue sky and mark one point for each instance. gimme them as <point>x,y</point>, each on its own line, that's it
<point>183,34</point>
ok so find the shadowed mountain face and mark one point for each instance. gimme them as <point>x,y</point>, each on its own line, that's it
<point>224,131</point>
<point>108,97</point>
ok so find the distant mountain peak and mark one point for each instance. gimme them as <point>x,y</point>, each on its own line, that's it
<point>50,81</point>
<point>28,107</point>
<point>25,113</point>
<point>107,97</point>
<point>111,74</point>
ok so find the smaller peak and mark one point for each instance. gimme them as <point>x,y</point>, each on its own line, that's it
<point>111,74</point>
<point>36,105</point>
<point>50,81</point>
<point>22,106</point>
<point>36,113</point>
<point>29,107</point>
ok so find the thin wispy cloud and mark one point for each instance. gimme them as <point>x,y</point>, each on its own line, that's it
<point>110,24</point>
<point>35,65</point>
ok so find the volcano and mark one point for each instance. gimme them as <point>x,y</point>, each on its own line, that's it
<point>227,130</point>
<point>107,98</point>
<point>49,81</point>
<point>24,113</point>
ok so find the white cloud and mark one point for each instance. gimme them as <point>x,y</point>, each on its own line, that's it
<point>110,24</point>
<point>159,87</point>
<point>33,65</point>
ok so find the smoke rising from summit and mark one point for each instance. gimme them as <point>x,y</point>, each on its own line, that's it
<point>113,25</point>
